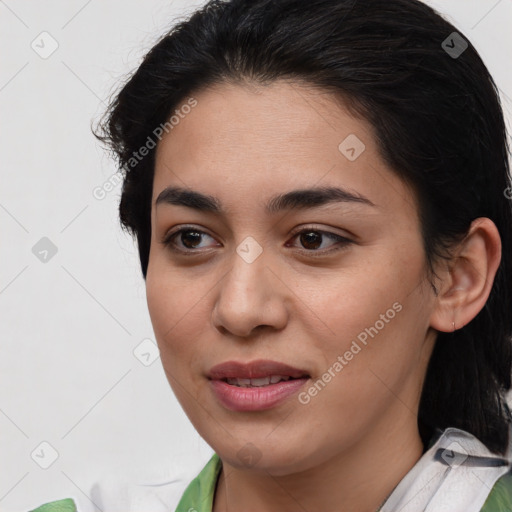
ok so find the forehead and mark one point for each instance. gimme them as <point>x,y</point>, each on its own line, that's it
<point>251,141</point>
<point>278,117</point>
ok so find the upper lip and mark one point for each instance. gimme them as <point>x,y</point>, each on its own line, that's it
<point>253,370</point>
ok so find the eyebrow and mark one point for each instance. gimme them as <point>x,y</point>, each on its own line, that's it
<point>300,199</point>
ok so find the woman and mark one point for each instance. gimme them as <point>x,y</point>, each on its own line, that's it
<point>319,192</point>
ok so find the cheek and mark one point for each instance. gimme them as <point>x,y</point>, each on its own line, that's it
<point>169,303</point>
<point>381,345</point>
<point>374,313</point>
<point>180,311</point>
<point>349,302</point>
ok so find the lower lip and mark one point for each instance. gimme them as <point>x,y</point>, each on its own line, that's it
<point>256,398</point>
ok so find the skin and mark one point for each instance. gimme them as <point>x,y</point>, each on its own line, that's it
<point>357,438</point>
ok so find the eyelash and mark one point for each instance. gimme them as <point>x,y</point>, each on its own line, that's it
<point>168,242</point>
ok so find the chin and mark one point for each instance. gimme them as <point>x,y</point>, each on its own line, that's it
<point>276,459</point>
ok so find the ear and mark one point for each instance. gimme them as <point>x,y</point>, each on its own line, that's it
<point>467,283</point>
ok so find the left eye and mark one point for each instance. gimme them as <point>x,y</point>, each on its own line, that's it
<point>311,240</point>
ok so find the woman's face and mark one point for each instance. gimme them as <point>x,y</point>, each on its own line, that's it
<point>345,302</point>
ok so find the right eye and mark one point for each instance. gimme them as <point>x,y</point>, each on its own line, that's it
<point>189,237</point>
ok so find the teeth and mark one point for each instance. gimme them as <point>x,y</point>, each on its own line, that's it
<point>262,381</point>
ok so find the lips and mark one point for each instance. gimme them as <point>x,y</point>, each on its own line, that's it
<point>255,386</point>
<point>258,369</point>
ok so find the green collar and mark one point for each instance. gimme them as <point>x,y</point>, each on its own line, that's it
<point>198,496</point>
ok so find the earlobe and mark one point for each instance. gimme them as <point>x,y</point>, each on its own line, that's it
<point>469,278</point>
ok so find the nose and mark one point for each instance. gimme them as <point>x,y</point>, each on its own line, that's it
<point>250,296</point>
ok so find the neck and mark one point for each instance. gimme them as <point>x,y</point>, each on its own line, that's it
<point>360,478</point>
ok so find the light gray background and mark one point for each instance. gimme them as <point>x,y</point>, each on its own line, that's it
<point>69,325</point>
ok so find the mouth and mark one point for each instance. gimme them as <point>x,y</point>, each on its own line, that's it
<point>256,385</point>
<point>261,372</point>
<point>260,382</point>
